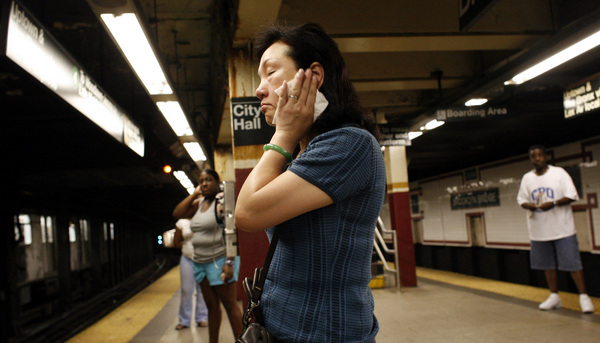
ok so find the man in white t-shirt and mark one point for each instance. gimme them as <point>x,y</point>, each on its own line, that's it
<point>547,192</point>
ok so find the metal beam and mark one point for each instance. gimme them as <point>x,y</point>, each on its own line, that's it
<point>437,43</point>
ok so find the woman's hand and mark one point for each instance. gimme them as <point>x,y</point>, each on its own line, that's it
<point>269,195</point>
<point>295,109</point>
<point>198,192</point>
<point>227,273</point>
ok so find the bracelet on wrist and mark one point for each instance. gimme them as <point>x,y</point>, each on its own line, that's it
<point>229,262</point>
<point>280,150</point>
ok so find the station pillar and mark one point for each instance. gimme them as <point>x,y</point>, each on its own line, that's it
<point>399,202</point>
<point>252,247</point>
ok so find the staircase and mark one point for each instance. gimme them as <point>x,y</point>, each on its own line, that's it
<point>384,271</point>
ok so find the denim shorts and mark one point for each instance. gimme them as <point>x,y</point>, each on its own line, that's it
<point>562,254</point>
<point>212,271</point>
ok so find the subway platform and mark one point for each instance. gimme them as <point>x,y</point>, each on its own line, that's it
<point>445,307</point>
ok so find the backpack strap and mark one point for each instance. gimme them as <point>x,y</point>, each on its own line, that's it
<point>218,218</point>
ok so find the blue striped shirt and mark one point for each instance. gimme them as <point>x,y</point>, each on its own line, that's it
<point>317,288</point>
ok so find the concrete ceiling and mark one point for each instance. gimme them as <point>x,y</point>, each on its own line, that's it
<point>405,58</point>
<point>409,58</point>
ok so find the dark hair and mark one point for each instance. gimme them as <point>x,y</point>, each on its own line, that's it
<point>211,172</point>
<point>310,43</point>
<point>536,146</point>
<point>214,174</point>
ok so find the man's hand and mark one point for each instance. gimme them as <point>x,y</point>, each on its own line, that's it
<point>529,206</point>
<point>547,206</point>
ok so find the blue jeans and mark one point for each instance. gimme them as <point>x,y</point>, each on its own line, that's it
<point>188,286</point>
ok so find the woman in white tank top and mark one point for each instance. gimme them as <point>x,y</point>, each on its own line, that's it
<point>216,273</point>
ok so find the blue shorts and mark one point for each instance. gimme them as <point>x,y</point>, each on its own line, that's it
<point>212,271</point>
<point>562,254</point>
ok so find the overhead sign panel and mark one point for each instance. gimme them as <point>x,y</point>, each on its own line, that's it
<point>469,113</point>
<point>31,47</point>
<point>393,136</point>
<point>582,99</point>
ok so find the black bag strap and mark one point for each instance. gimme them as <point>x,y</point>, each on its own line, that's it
<point>265,269</point>
<point>254,287</point>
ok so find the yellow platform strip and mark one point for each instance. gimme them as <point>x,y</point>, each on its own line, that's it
<point>122,324</point>
<point>535,294</point>
<point>377,282</point>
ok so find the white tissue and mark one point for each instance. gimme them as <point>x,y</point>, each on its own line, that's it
<point>320,105</point>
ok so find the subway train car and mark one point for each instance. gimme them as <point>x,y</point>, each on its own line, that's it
<point>81,208</point>
<point>67,270</point>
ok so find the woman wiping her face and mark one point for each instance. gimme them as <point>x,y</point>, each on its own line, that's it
<point>325,200</point>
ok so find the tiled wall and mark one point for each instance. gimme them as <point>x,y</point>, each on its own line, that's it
<point>505,225</point>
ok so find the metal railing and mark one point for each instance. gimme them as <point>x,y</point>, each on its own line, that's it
<point>379,244</point>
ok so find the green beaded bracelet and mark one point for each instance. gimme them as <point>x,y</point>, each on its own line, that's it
<point>280,150</point>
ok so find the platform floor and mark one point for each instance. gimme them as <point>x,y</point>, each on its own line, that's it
<point>444,307</point>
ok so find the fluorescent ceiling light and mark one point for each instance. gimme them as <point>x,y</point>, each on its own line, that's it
<point>433,124</point>
<point>184,180</point>
<point>180,175</point>
<point>195,151</point>
<point>173,113</point>
<point>414,134</point>
<point>476,102</point>
<point>130,37</point>
<point>556,60</point>
<point>187,183</point>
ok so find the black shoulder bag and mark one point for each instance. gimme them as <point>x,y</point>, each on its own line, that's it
<point>254,332</point>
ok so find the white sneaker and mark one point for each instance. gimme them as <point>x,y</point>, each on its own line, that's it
<point>551,303</point>
<point>586,303</point>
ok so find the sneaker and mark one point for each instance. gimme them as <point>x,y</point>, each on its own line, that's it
<point>551,303</point>
<point>586,304</point>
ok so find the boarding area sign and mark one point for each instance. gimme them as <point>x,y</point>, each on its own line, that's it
<point>249,124</point>
<point>582,99</point>
<point>475,112</point>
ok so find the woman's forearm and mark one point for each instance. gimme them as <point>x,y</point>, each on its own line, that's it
<point>178,239</point>
<point>270,166</point>
<point>183,209</point>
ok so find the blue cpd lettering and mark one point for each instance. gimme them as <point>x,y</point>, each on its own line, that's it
<point>549,192</point>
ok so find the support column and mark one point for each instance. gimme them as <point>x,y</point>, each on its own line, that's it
<point>399,202</point>
<point>252,247</point>
<point>224,162</point>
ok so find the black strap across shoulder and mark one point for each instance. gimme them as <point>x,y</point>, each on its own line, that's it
<point>253,287</point>
<point>265,269</point>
